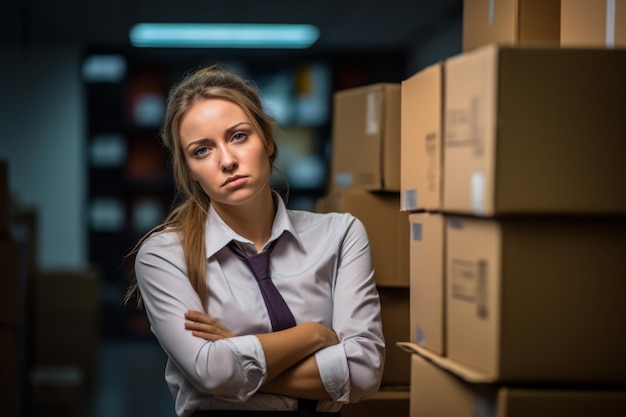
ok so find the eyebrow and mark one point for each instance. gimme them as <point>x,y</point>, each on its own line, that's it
<point>228,132</point>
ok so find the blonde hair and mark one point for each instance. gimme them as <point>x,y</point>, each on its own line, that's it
<point>188,218</point>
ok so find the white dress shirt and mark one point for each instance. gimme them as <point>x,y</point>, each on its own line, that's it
<point>322,267</point>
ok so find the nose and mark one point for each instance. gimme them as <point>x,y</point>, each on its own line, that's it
<point>228,160</point>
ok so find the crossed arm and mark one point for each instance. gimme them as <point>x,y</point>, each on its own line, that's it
<point>289,354</point>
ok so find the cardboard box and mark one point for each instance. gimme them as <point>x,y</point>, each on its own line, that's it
<point>58,391</point>
<point>386,228</point>
<point>385,402</point>
<point>67,300</point>
<point>366,138</point>
<point>421,123</point>
<point>511,22</point>
<point>394,303</point>
<point>68,291</point>
<point>593,23</point>
<point>427,285</point>
<point>530,130</point>
<point>435,392</point>
<point>10,306</point>
<point>538,299</point>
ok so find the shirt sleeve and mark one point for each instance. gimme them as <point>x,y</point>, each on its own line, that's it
<point>232,368</point>
<point>352,370</point>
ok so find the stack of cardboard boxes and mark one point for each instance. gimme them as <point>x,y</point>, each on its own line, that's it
<point>507,195</point>
<point>365,181</point>
<point>49,323</point>
<point>513,176</point>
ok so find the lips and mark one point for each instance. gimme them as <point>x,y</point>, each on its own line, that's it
<point>231,179</point>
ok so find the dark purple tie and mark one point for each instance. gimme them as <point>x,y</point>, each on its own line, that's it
<point>280,315</point>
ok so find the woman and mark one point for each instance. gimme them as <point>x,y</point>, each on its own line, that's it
<point>201,297</point>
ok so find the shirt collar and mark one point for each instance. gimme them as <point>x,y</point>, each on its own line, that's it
<point>218,234</point>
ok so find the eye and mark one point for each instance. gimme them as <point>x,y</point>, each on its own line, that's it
<point>201,151</point>
<point>238,137</point>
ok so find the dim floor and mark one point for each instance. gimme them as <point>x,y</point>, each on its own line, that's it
<point>130,381</point>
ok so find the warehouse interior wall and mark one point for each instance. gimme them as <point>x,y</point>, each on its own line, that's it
<point>42,118</point>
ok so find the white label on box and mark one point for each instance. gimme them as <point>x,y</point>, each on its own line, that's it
<point>372,109</point>
<point>343,179</point>
<point>455,223</point>
<point>485,405</point>
<point>416,232</point>
<point>610,23</point>
<point>409,199</point>
<point>477,193</point>
<point>419,334</point>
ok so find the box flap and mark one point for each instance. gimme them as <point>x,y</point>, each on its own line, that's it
<point>468,374</point>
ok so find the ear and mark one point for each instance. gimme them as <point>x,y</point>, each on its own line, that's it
<point>270,148</point>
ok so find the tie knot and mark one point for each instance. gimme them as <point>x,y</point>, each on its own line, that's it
<point>259,264</point>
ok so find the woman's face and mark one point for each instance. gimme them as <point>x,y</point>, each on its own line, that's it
<point>224,152</point>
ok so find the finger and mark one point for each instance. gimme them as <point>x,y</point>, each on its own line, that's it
<point>207,336</point>
<point>209,332</point>
<point>199,317</point>
<point>203,318</point>
<point>192,325</point>
<point>209,328</point>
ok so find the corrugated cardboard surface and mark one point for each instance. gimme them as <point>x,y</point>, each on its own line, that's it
<point>593,23</point>
<point>427,285</point>
<point>511,22</point>
<point>528,298</point>
<point>436,392</point>
<point>386,226</point>
<point>366,138</point>
<point>535,130</point>
<point>421,124</point>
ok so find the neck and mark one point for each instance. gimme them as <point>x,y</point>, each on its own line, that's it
<point>252,221</point>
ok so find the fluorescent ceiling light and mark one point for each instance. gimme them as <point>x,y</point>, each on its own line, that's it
<point>225,35</point>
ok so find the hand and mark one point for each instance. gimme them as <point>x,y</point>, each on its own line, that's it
<point>331,337</point>
<point>206,327</point>
<point>328,337</point>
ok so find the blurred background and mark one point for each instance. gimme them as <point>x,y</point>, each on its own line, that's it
<point>80,110</point>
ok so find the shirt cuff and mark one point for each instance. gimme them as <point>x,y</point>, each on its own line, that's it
<point>249,354</point>
<point>333,367</point>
